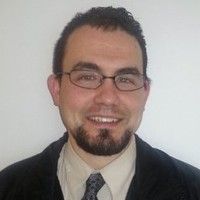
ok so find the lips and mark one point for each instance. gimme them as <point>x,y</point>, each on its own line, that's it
<point>104,119</point>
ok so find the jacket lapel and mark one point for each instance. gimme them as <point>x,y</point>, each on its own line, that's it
<point>156,177</point>
<point>42,183</point>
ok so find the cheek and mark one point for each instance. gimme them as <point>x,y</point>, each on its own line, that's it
<point>69,100</point>
<point>70,107</point>
<point>74,99</point>
<point>136,107</point>
<point>136,101</point>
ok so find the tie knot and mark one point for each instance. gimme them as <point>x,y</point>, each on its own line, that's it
<point>93,184</point>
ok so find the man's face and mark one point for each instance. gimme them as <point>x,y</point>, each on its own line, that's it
<point>100,121</point>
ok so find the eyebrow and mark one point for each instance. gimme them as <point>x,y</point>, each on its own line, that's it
<point>128,70</point>
<point>93,66</point>
<point>86,65</point>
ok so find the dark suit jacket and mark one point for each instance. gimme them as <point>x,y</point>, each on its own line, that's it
<point>157,177</point>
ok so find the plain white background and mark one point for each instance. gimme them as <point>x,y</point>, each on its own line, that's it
<point>28,31</point>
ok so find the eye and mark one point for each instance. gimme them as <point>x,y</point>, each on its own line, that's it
<point>87,77</point>
<point>81,76</point>
<point>125,79</point>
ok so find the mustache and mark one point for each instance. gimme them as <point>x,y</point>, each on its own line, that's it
<point>107,110</point>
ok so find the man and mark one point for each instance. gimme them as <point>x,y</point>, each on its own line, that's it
<point>100,86</point>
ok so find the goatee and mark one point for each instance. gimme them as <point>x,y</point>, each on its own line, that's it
<point>103,144</point>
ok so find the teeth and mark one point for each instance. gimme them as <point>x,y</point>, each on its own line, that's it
<point>104,119</point>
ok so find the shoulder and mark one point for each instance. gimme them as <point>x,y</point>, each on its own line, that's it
<point>186,171</point>
<point>12,177</point>
<point>168,172</point>
<point>150,154</point>
<point>16,176</point>
<point>190,175</point>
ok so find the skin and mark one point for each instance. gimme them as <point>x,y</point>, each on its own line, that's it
<point>110,51</point>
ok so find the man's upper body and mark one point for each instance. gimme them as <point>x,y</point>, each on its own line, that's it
<point>157,176</point>
<point>100,86</point>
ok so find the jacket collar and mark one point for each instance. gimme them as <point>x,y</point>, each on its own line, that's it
<point>156,175</point>
<point>41,182</point>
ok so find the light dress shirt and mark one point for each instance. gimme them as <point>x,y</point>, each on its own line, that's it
<point>73,172</point>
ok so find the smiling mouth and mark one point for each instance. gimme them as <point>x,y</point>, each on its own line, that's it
<point>104,120</point>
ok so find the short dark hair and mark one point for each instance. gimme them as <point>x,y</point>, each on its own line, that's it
<point>108,18</point>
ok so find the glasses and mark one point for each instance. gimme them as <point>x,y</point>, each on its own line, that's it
<point>91,79</point>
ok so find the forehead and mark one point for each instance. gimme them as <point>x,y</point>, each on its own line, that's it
<point>108,49</point>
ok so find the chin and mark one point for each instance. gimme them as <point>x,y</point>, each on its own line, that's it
<point>103,143</point>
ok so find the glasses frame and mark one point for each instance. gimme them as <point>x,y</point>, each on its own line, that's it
<point>103,78</point>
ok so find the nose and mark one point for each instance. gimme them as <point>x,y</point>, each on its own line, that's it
<point>107,93</point>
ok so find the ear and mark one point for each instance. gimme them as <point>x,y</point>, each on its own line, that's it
<point>54,88</point>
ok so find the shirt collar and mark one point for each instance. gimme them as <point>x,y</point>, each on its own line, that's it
<point>115,173</point>
<point>77,170</point>
<point>118,171</point>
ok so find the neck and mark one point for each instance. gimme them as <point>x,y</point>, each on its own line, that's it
<point>94,161</point>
